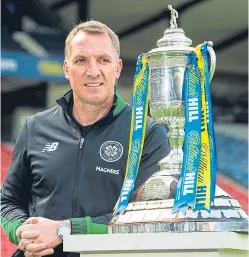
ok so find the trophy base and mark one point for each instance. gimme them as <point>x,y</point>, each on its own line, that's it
<point>179,227</point>
<point>156,216</point>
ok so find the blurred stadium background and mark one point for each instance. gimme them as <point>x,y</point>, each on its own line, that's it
<point>33,35</point>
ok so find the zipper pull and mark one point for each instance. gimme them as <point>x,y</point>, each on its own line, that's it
<point>82,142</point>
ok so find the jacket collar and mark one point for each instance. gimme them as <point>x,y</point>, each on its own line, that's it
<point>118,105</point>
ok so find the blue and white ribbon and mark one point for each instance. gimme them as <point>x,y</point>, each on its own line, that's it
<point>137,132</point>
<point>186,189</point>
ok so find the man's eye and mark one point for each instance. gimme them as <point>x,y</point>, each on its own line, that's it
<point>81,60</point>
<point>104,60</point>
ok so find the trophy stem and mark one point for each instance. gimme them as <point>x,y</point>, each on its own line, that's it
<point>172,163</point>
<point>172,115</point>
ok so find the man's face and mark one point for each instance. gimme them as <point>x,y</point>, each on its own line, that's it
<point>92,67</point>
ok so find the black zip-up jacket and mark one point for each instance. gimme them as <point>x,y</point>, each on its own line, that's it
<point>61,170</point>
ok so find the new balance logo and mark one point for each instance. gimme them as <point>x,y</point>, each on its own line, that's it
<point>50,147</point>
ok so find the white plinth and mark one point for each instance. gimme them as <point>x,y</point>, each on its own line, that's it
<point>201,244</point>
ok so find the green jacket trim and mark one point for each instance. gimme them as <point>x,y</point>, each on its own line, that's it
<point>119,104</point>
<point>10,228</point>
<point>86,226</point>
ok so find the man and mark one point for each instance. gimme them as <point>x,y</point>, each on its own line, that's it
<point>69,161</point>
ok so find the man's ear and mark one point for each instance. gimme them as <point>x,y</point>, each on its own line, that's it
<point>119,68</point>
<point>65,69</point>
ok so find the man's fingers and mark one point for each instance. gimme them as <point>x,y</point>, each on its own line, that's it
<point>29,234</point>
<point>26,227</point>
<point>26,221</point>
<point>18,232</point>
<point>28,254</point>
<point>32,220</point>
<point>45,252</point>
<point>35,247</point>
<point>23,243</point>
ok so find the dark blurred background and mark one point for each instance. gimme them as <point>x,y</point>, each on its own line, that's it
<point>38,28</point>
<point>33,35</point>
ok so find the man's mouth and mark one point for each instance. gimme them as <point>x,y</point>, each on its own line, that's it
<point>93,84</point>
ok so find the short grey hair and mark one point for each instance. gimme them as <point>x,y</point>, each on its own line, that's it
<point>92,27</point>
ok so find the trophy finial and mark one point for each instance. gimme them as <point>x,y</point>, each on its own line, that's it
<point>174,16</point>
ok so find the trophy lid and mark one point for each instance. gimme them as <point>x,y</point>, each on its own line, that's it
<point>174,38</point>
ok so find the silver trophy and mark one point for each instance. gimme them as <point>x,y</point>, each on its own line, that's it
<point>150,209</point>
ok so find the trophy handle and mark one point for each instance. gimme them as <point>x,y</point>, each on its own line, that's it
<point>212,60</point>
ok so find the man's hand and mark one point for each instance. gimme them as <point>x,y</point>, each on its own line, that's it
<point>38,236</point>
<point>31,248</point>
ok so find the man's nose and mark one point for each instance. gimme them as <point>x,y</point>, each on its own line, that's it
<point>93,69</point>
